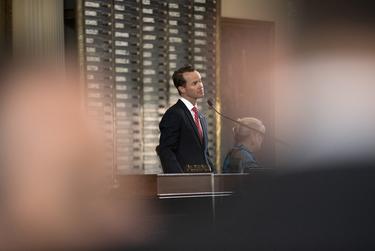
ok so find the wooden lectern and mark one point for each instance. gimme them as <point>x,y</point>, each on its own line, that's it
<point>187,193</point>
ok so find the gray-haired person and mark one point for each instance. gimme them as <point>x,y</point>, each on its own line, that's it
<point>246,141</point>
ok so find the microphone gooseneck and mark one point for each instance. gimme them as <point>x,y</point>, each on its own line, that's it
<point>211,105</point>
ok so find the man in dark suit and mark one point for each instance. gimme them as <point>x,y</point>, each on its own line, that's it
<point>183,138</point>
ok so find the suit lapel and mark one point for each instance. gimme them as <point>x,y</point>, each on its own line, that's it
<point>204,128</point>
<point>190,118</point>
<point>205,139</point>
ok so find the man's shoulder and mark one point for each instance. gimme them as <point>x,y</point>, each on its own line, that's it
<point>247,155</point>
<point>177,107</point>
<point>243,153</point>
<point>173,112</point>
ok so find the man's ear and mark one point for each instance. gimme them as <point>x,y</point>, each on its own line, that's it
<point>260,138</point>
<point>181,89</point>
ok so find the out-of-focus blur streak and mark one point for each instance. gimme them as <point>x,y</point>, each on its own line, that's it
<point>328,81</point>
<point>54,187</point>
<point>330,100</point>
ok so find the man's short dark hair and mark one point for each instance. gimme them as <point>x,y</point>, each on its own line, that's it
<point>178,78</point>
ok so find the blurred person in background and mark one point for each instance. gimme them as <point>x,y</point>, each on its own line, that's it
<point>240,159</point>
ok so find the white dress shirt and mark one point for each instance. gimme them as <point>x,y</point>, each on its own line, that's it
<point>190,106</point>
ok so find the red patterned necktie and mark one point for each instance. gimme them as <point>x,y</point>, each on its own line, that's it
<point>196,120</point>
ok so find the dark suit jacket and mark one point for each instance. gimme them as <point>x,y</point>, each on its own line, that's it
<point>179,144</point>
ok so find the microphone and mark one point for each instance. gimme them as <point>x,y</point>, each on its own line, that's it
<point>211,105</point>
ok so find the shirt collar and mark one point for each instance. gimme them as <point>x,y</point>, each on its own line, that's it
<point>242,147</point>
<point>187,103</point>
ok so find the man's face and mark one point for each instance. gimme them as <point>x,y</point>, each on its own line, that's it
<point>193,88</point>
<point>255,140</point>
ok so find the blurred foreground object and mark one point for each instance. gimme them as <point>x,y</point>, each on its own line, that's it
<point>54,188</point>
<point>328,82</point>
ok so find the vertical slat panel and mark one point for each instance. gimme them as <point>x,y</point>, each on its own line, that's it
<point>134,47</point>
